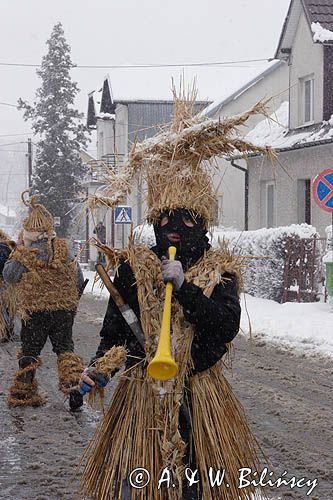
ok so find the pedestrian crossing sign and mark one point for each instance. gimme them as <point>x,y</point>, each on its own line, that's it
<point>123,215</point>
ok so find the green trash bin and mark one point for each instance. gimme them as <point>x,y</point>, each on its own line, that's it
<point>329,278</point>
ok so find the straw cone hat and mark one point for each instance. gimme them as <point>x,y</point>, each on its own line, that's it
<point>39,219</point>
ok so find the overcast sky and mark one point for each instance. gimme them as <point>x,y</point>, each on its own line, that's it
<point>118,32</point>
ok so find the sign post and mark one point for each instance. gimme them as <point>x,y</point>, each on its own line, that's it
<point>322,190</point>
<point>123,215</point>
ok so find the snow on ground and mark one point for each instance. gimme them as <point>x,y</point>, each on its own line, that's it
<point>93,288</point>
<point>306,327</point>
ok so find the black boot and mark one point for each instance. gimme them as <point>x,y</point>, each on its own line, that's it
<point>75,400</point>
<point>29,376</point>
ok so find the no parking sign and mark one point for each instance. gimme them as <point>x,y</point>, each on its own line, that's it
<point>322,190</point>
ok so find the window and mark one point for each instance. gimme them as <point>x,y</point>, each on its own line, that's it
<point>270,204</point>
<point>308,87</point>
<point>304,201</point>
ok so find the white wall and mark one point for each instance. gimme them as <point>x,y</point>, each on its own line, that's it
<point>229,184</point>
<point>121,131</point>
<point>306,59</point>
<point>105,137</point>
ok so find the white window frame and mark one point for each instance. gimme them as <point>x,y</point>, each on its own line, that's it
<point>268,184</point>
<point>304,111</point>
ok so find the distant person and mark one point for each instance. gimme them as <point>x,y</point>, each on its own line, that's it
<point>47,283</point>
<point>100,231</point>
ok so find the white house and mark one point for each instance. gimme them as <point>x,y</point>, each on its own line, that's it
<point>231,177</point>
<point>303,129</point>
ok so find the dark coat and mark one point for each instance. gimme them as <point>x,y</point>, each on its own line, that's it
<point>4,254</point>
<point>215,320</point>
<point>100,231</point>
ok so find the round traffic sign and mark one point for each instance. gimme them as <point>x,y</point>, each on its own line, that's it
<point>322,190</point>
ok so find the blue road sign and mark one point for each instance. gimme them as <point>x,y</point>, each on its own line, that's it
<point>123,215</point>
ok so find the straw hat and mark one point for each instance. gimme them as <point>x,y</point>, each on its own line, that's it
<point>176,165</point>
<point>39,219</point>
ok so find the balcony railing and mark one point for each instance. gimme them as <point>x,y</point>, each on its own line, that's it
<point>99,170</point>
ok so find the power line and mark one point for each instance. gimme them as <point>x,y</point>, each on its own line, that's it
<point>13,143</point>
<point>6,104</point>
<point>12,135</point>
<point>126,66</point>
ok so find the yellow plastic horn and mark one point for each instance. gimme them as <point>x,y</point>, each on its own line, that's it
<point>163,366</point>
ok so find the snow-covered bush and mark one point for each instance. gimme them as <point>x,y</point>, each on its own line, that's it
<point>264,250</point>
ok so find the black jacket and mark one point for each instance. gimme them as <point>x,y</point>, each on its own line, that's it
<point>215,320</point>
<point>4,254</point>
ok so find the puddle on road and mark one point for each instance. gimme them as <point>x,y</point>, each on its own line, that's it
<point>9,458</point>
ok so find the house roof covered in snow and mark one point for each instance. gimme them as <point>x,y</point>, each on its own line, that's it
<point>319,15</point>
<point>274,132</point>
<point>217,106</point>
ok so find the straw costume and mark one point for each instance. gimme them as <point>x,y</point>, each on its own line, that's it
<point>46,281</point>
<point>7,302</point>
<point>193,420</point>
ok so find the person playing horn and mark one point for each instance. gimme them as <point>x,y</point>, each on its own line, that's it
<point>194,420</point>
<point>46,282</point>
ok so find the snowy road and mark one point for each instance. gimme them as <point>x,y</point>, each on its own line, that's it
<point>287,397</point>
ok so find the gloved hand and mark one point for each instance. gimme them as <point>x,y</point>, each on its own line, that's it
<point>90,378</point>
<point>172,272</point>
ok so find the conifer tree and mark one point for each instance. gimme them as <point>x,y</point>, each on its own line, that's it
<point>61,133</point>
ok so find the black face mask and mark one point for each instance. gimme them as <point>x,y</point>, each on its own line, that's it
<point>190,242</point>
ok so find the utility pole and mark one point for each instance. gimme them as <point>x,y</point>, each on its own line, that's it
<point>87,248</point>
<point>29,155</point>
<point>113,226</point>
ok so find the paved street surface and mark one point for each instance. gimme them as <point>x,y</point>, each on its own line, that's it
<point>288,400</point>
